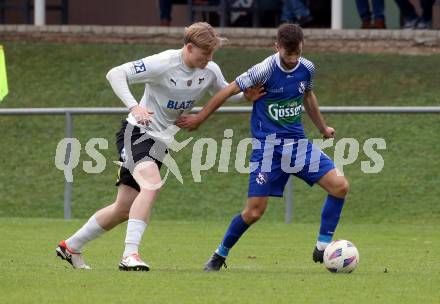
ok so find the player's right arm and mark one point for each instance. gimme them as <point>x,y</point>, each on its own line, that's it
<point>256,76</point>
<point>192,122</point>
<point>139,71</point>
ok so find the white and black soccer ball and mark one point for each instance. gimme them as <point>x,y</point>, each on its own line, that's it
<point>341,256</point>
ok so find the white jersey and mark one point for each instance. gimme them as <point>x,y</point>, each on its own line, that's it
<point>171,88</point>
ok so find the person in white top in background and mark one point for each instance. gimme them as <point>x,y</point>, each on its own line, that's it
<point>174,80</point>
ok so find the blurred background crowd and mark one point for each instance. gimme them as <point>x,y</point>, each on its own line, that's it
<point>365,14</point>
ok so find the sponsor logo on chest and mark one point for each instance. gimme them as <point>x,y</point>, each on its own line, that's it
<point>180,105</point>
<point>284,111</point>
<point>278,112</point>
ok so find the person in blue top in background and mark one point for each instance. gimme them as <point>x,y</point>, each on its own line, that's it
<point>280,141</point>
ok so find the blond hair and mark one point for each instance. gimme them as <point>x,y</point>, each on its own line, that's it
<point>203,35</point>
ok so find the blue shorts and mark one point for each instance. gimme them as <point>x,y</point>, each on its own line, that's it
<point>274,164</point>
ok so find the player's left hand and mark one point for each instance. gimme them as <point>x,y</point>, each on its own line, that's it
<point>190,122</point>
<point>254,93</point>
<point>328,132</point>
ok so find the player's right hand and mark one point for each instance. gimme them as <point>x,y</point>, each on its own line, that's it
<point>190,122</point>
<point>254,93</point>
<point>141,114</point>
<point>328,132</point>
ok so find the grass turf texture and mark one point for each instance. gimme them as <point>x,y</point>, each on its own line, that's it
<point>271,264</point>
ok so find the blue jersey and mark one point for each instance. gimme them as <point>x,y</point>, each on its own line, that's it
<point>279,111</point>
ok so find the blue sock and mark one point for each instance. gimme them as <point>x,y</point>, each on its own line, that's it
<point>232,235</point>
<point>331,212</point>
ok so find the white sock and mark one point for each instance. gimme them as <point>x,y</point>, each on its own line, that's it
<point>321,245</point>
<point>90,231</point>
<point>135,230</point>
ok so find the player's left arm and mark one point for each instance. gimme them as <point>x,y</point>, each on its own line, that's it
<point>312,108</point>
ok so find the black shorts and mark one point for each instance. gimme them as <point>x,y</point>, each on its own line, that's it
<point>147,149</point>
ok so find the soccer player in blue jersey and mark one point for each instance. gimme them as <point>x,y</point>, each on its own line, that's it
<point>277,130</point>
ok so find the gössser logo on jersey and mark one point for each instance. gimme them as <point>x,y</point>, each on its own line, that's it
<point>285,111</point>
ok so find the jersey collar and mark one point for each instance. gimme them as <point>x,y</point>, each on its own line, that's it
<point>277,59</point>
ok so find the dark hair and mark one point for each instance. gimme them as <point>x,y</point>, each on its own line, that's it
<point>290,36</point>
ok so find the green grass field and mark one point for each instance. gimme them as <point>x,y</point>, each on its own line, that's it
<point>271,264</point>
<point>392,217</point>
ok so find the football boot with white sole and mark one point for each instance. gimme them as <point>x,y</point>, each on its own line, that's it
<point>74,258</point>
<point>133,262</point>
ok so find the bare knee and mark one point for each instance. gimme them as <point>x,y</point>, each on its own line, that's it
<point>252,215</point>
<point>341,188</point>
<point>147,175</point>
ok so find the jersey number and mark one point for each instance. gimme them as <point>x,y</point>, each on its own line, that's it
<point>139,66</point>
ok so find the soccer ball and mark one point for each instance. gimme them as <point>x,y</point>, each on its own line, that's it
<point>341,256</point>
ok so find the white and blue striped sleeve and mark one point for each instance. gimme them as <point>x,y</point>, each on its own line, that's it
<point>311,68</point>
<point>258,74</point>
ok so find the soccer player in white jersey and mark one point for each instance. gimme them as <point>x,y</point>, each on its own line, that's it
<point>280,140</point>
<point>174,80</point>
